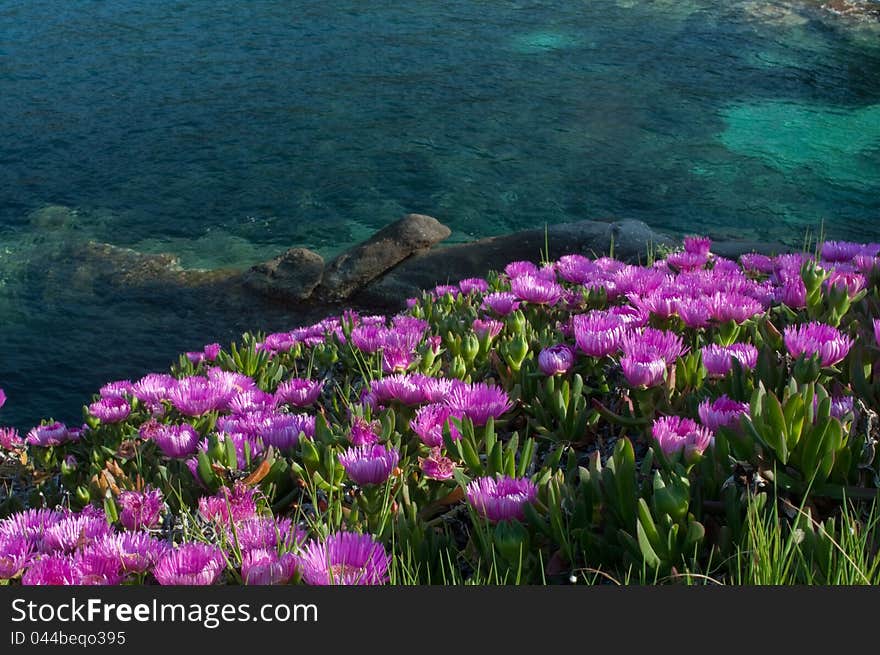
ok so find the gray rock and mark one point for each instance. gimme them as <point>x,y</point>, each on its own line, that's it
<point>448,265</point>
<point>293,275</point>
<point>412,234</point>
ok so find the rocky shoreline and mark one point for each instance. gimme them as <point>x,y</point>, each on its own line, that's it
<point>396,263</point>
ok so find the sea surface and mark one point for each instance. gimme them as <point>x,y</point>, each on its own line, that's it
<point>225,132</point>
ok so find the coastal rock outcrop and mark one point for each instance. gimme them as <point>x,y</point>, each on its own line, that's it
<point>353,269</point>
<point>293,275</point>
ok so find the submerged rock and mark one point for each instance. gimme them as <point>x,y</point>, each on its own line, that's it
<point>293,275</point>
<point>353,269</point>
<point>52,217</point>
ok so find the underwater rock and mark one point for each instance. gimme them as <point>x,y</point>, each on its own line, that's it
<point>444,265</point>
<point>293,275</point>
<point>854,8</point>
<point>51,217</point>
<point>412,234</point>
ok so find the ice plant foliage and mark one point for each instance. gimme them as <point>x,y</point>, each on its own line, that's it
<point>551,417</point>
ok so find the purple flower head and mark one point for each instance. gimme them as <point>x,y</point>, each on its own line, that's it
<point>517,269</point>
<point>368,338</point>
<point>718,362</point>
<point>502,303</point>
<point>473,285</point>
<point>849,282</point>
<point>153,388</point>
<point>51,434</point>
<point>195,396</point>
<point>430,420</point>
<point>638,280</point>
<point>536,290</point>
<point>841,406</point>
<point>363,432</point>
<point>117,389</point>
<point>632,317</point>
<point>756,263</point>
<point>556,360</point>
<point>265,532</point>
<point>371,464</point>
<point>176,440</point>
<point>263,566</point>
<point>299,392</point>
<point>31,523</point>
<point>687,261</point>
<point>478,402</point>
<point>10,439</point>
<point>598,333</point>
<point>841,251</point>
<point>697,245</point>
<point>722,412</point>
<point>502,498</point>
<point>74,531</point>
<point>694,312</point>
<point>675,434</point>
<point>345,558</point>
<point>53,569</point>
<point>283,430</point>
<point>815,338</point>
<point>112,409</point>
<point>16,552</point>
<point>97,568</point>
<point>487,328</point>
<point>252,401</point>
<point>877,331</point>
<point>792,292</point>
<point>654,344</point>
<point>133,552</point>
<point>208,353</point>
<point>643,370</point>
<point>404,388</point>
<point>139,510</point>
<point>237,504</point>
<point>190,564</point>
<point>436,466</point>
<point>229,383</point>
<point>577,269</point>
<point>733,307</point>
<point>437,390</point>
<point>2,397</point>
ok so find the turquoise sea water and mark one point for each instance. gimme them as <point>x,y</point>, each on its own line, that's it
<point>225,132</point>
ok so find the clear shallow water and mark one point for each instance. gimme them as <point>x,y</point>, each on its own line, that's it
<point>227,132</point>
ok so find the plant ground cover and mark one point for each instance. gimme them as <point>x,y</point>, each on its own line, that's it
<point>694,420</point>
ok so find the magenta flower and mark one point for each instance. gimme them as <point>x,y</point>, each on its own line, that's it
<point>478,402</point>
<point>793,292</point>
<point>263,566</point>
<point>517,269</point>
<point>96,568</point>
<point>368,338</point>
<point>31,523</point>
<point>817,339</point>
<point>697,244</point>
<point>195,396</point>
<point>849,282</point>
<point>502,303</point>
<point>536,290</point>
<point>556,360</point>
<point>473,285</point>
<point>502,498</point>
<point>2,397</point>
<point>51,434</point>
<point>75,531</point>
<point>840,406</point>
<point>176,440</point>
<point>132,552</point>
<point>756,263</point>
<point>112,409</point>
<point>733,307</point>
<point>675,434</point>
<point>722,412</point>
<point>10,439</point>
<point>430,420</point>
<point>577,269</point>
<point>117,389</point>
<point>53,569</point>
<point>404,388</point>
<point>190,564</point>
<point>252,401</point>
<point>16,552</point>
<point>484,328</point>
<point>687,261</point>
<point>363,432</point>
<point>139,510</point>
<point>718,362</point>
<point>841,251</point>
<point>443,289</point>
<point>694,312</point>
<point>345,558</point>
<point>299,392</point>
<point>598,333</point>
<point>153,388</point>
<point>264,532</point>
<point>436,466</point>
<point>370,464</point>
<point>643,370</point>
<point>236,504</point>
